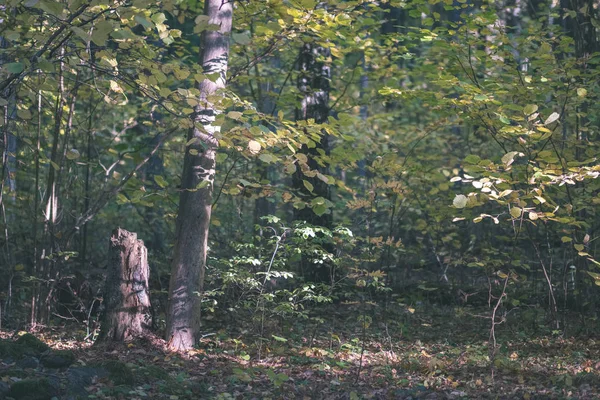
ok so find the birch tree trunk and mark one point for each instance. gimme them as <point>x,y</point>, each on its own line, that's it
<point>195,200</point>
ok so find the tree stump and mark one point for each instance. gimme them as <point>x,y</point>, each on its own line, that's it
<point>127,312</point>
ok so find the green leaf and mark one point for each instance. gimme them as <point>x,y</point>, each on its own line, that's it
<point>24,114</point>
<point>51,7</point>
<point>581,92</point>
<point>241,38</point>
<point>101,31</point>
<point>121,199</point>
<point>530,109</point>
<point>515,212</point>
<point>595,276</point>
<point>14,68</point>
<point>504,120</point>
<point>308,185</point>
<point>142,20</point>
<point>279,338</point>
<point>160,181</point>
<point>158,18</point>
<point>80,32</point>
<point>267,158</point>
<point>45,65</point>
<point>234,114</point>
<point>321,209</point>
<point>460,201</point>
<point>566,239</point>
<point>290,168</point>
<point>472,159</point>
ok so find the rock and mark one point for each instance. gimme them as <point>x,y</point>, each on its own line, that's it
<point>58,359</point>
<point>79,378</point>
<point>33,389</point>
<point>4,389</point>
<point>28,362</point>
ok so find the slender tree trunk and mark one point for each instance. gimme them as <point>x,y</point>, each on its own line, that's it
<point>195,201</point>
<point>127,302</point>
<point>8,178</point>
<point>313,82</point>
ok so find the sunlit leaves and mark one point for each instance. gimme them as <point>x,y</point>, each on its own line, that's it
<point>160,181</point>
<point>254,147</point>
<point>460,201</point>
<point>509,157</point>
<point>309,186</point>
<point>552,118</point>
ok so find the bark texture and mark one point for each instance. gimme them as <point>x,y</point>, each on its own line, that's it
<point>195,200</point>
<point>127,302</point>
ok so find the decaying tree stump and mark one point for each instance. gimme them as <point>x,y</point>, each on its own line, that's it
<point>127,312</point>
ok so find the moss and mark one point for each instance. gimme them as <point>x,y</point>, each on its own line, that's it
<point>14,373</point>
<point>33,389</point>
<point>58,359</point>
<point>151,374</point>
<point>31,342</point>
<point>119,372</point>
<point>10,349</point>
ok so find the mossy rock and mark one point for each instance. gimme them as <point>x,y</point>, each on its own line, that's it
<point>58,359</point>
<point>31,342</point>
<point>119,372</point>
<point>33,389</point>
<point>14,373</point>
<point>9,349</point>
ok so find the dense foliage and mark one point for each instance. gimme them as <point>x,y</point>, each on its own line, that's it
<point>457,163</point>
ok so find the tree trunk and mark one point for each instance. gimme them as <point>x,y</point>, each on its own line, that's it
<point>127,302</point>
<point>195,201</point>
<point>313,83</point>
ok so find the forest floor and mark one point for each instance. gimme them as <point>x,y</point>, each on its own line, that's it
<point>435,354</point>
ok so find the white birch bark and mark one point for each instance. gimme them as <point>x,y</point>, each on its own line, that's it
<point>189,256</point>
